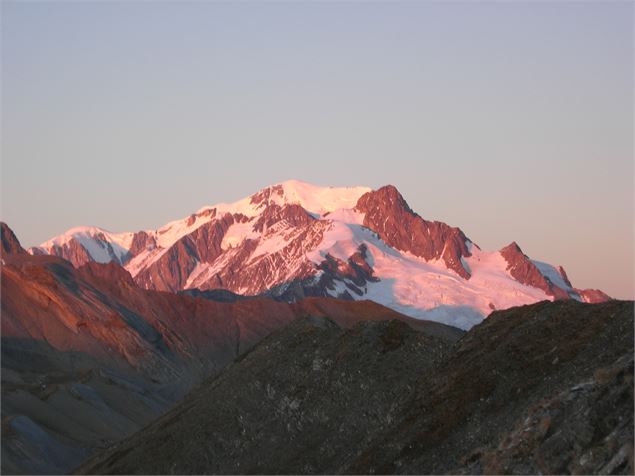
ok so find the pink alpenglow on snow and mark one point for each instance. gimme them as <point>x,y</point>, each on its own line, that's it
<point>294,239</point>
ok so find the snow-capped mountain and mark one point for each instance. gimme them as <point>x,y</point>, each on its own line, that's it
<point>295,239</point>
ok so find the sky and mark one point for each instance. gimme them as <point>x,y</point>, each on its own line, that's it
<point>511,120</point>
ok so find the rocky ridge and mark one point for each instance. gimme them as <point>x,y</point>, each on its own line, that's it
<point>544,388</point>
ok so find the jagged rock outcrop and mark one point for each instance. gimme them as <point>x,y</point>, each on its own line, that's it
<point>72,251</point>
<point>142,241</point>
<point>526,272</point>
<point>387,213</point>
<point>593,295</point>
<point>171,271</point>
<point>10,243</point>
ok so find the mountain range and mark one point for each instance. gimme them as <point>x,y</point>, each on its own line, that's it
<point>294,240</point>
<point>243,304</point>
<point>89,357</point>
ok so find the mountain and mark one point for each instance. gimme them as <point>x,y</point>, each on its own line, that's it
<point>89,357</point>
<point>539,389</point>
<point>295,239</point>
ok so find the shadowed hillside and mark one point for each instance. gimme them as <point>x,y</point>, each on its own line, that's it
<point>544,388</point>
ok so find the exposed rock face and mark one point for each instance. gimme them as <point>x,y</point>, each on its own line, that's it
<point>526,272</point>
<point>293,215</point>
<point>171,271</point>
<point>142,241</point>
<point>10,244</point>
<point>246,271</point>
<point>240,271</point>
<point>593,295</point>
<point>388,214</point>
<point>72,251</point>
<point>546,388</point>
<point>356,271</point>
<point>563,273</point>
<point>263,197</point>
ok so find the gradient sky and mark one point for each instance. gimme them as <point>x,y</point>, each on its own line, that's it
<point>513,121</point>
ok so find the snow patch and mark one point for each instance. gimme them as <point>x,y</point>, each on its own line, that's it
<point>552,273</point>
<point>237,233</point>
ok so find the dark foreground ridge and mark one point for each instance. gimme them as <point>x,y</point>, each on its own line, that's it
<point>545,388</point>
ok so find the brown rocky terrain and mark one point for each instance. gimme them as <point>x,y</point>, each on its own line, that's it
<point>497,374</point>
<point>89,357</point>
<point>539,389</point>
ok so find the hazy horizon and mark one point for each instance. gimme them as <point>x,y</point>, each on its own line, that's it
<point>511,121</point>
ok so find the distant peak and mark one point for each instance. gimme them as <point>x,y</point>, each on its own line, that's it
<point>10,243</point>
<point>313,198</point>
<point>294,183</point>
<point>388,196</point>
<point>85,229</point>
<point>389,188</point>
<point>88,232</point>
<point>512,247</point>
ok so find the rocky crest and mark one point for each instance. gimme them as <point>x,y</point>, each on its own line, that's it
<point>593,295</point>
<point>10,243</point>
<point>171,271</point>
<point>526,272</point>
<point>539,389</point>
<point>387,214</point>
<point>142,241</point>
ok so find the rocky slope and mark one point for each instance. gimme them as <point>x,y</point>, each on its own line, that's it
<point>540,389</point>
<point>295,239</point>
<point>88,356</point>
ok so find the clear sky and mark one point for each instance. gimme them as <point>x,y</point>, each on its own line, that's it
<point>513,121</point>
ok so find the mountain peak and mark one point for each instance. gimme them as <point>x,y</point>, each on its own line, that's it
<point>314,199</point>
<point>10,243</point>
<point>387,213</point>
<point>389,196</point>
<point>513,247</point>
